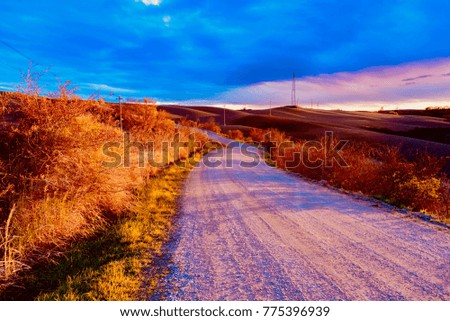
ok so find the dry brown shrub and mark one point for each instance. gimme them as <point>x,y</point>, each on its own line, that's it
<point>145,122</point>
<point>211,125</point>
<point>257,134</point>
<point>381,171</point>
<point>444,193</point>
<point>235,134</point>
<point>188,123</point>
<point>54,188</point>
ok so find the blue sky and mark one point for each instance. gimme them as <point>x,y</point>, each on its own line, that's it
<point>232,52</point>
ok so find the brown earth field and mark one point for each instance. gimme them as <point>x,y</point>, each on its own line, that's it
<point>411,130</point>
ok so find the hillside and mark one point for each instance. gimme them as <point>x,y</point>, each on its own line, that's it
<point>411,132</point>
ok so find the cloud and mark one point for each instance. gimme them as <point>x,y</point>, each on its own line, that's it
<point>367,88</point>
<point>103,87</point>
<point>167,20</point>
<point>210,47</point>
<point>8,86</point>
<point>417,78</point>
<point>150,2</point>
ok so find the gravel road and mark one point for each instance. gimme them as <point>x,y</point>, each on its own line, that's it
<point>259,233</point>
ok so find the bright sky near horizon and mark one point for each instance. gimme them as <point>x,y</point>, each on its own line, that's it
<point>346,54</point>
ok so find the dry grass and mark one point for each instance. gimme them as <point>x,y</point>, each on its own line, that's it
<point>235,134</point>
<point>379,171</point>
<point>54,188</point>
<point>211,125</point>
<point>120,254</point>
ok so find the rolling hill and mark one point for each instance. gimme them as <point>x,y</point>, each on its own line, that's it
<point>411,132</point>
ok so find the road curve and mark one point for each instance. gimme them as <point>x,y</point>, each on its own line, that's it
<point>258,233</point>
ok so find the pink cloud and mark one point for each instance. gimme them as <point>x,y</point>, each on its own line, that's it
<point>412,85</point>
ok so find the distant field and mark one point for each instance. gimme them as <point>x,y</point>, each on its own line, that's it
<point>411,130</point>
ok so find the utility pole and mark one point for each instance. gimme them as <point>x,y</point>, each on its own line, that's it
<point>120,108</point>
<point>270,109</point>
<point>224,120</point>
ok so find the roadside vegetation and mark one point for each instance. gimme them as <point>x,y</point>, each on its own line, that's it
<point>379,171</point>
<point>111,264</point>
<point>56,193</point>
<point>419,182</point>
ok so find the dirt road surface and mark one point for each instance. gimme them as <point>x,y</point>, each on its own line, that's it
<point>258,233</point>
